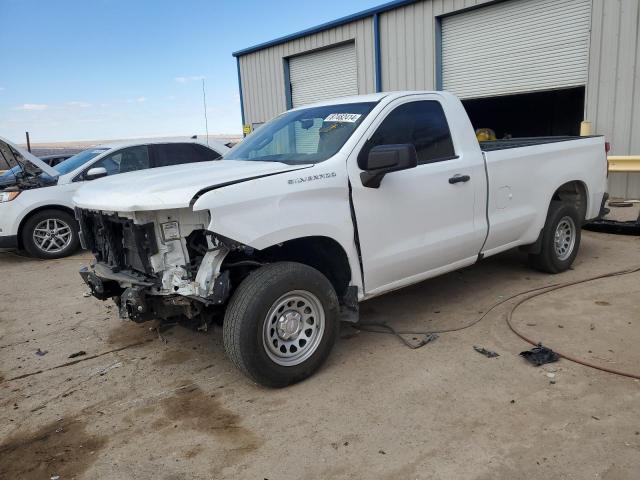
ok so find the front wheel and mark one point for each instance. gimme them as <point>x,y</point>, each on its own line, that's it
<point>560,239</point>
<point>281,323</point>
<point>50,234</point>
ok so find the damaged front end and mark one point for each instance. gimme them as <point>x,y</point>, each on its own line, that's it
<point>160,264</point>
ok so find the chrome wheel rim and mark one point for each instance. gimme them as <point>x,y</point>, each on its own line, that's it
<point>565,238</point>
<point>293,328</point>
<point>52,235</point>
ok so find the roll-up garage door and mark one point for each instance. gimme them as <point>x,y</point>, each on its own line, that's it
<point>323,74</point>
<point>516,46</point>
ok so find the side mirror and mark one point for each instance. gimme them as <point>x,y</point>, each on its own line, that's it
<point>385,159</point>
<point>97,172</point>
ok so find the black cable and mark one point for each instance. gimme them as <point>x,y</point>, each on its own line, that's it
<point>539,291</point>
<point>383,327</point>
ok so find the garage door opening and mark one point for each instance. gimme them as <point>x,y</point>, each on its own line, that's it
<point>555,112</point>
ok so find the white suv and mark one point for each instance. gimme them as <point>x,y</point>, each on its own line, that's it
<point>36,208</point>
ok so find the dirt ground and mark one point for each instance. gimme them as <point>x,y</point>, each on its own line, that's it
<point>136,407</point>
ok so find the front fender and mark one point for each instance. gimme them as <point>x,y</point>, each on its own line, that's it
<point>264,212</point>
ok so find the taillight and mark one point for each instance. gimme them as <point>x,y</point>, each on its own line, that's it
<point>607,149</point>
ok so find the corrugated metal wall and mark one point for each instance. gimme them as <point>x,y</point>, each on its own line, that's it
<point>263,72</point>
<point>516,47</point>
<point>408,58</point>
<point>613,93</point>
<point>324,74</point>
<point>407,43</point>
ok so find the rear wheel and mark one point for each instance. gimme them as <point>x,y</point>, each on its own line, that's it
<point>50,234</point>
<point>560,239</point>
<point>281,323</point>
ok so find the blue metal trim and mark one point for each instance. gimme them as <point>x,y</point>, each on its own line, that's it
<point>240,89</point>
<point>335,23</point>
<point>376,47</point>
<point>287,83</point>
<point>438,48</point>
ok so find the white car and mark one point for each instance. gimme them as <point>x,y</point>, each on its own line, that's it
<point>36,207</point>
<point>328,205</point>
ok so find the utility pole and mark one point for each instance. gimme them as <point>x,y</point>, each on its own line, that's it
<point>204,101</point>
<point>28,142</point>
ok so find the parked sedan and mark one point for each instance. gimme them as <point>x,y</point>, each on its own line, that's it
<point>36,210</point>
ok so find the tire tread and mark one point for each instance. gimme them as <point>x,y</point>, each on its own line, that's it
<point>34,219</point>
<point>240,304</point>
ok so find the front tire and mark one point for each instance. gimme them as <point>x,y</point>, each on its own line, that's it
<point>560,239</point>
<point>281,323</point>
<point>50,234</point>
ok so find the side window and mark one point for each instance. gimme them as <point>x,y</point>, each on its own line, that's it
<point>125,160</point>
<point>204,154</point>
<point>175,154</point>
<point>421,123</point>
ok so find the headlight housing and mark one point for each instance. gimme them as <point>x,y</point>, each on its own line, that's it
<point>8,196</point>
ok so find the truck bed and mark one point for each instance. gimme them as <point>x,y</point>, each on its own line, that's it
<point>493,145</point>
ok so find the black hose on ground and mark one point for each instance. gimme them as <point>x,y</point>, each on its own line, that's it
<point>537,292</point>
<point>564,355</point>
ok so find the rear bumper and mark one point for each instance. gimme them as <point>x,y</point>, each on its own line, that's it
<point>9,241</point>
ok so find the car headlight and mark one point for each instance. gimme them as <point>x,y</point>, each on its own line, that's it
<point>8,196</point>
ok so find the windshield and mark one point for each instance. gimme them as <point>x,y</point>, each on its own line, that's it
<point>71,163</point>
<point>309,135</point>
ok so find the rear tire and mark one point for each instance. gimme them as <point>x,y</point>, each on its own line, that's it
<point>281,323</point>
<point>560,239</point>
<point>50,234</point>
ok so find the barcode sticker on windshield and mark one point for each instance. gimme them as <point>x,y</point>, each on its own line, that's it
<point>343,117</point>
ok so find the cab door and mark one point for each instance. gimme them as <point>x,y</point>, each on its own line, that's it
<point>425,220</point>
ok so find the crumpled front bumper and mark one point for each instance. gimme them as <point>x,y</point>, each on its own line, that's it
<point>132,294</point>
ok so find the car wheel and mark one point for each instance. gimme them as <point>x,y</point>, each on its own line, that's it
<point>50,234</point>
<point>281,323</point>
<point>560,239</point>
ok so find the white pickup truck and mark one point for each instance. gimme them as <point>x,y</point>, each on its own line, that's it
<point>326,206</point>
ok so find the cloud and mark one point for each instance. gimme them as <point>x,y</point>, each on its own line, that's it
<point>79,104</point>
<point>32,106</point>
<point>137,100</point>
<point>194,78</point>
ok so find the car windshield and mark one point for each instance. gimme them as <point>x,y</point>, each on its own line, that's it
<point>71,163</point>
<point>309,135</point>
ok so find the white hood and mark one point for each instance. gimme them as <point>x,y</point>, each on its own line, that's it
<point>52,172</point>
<point>169,187</point>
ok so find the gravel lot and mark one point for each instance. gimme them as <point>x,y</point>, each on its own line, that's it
<point>135,406</point>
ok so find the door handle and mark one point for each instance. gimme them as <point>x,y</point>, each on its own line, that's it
<point>459,178</point>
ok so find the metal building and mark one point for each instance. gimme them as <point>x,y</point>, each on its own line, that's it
<point>521,67</point>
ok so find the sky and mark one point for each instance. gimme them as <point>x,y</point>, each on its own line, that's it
<point>109,69</point>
